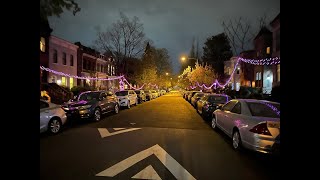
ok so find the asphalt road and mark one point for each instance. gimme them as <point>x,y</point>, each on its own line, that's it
<point>161,139</point>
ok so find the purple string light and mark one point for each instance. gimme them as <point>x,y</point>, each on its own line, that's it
<point>272,107</point>
<point>78,77</point>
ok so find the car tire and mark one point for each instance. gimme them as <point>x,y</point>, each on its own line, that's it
<point>116,109</point>
<point>236,140</point>
<point>97,114</point>
<point>214,123</point>
<point>128,105</point>
<point>54,126</point>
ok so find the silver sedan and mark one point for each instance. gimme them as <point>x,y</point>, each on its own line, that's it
<point>253,124</point>
<point>52,117</point>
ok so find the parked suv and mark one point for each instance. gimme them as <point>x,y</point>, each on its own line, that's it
<point>127,98</point>
<point>141,95</point>
<point>91,104</point>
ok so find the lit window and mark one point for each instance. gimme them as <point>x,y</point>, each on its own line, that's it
<point>108,68</point>
<point>63,81</point>
<point>42,44</point>
<point>268,50</point>
<point>71,82</point>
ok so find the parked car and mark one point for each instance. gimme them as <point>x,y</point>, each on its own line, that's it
<point>52,117</point>
<point>253,124</point>
<point>155,93</point>
<point>127,98</point>
<point>191,94</point>
<point>141,95</point>
<point>208,103</point>
<point>91,105</point>
<point>149,95</point>
<point>196,98</point>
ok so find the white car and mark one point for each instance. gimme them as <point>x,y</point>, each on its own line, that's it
<point>253,124</point>
<point>52,117</point>
<point>127,98</point>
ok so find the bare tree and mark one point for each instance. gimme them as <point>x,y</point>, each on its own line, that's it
<point>241,33</point>
<point>125,39</point>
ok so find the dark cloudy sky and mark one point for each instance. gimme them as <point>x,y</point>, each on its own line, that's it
<point>171,24</point>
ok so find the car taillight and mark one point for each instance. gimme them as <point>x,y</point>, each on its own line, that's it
<point>261,129</point>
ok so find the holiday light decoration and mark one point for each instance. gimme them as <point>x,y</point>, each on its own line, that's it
<point>272,107</point>
<point>267,61</point>
<point>121,84</point>
<point>78,77</point>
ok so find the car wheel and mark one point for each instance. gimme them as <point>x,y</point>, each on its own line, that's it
<point>97,114</point>
<point>116,108</point>
<point>236,140</point>
<point>214,123</point>
<point>54,126</point>
<point>128,105</point>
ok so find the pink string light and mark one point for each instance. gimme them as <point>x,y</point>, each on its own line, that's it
<point>78,77</point>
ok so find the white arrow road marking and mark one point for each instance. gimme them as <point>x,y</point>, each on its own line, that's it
<point>117,129</point>
<point>173,166</point>
<point>147,173</point>
<point>105,133</point>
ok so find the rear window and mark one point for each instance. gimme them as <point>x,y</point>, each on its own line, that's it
<point>122,93</point>
<point>264,109</point>
<point>218,99</point>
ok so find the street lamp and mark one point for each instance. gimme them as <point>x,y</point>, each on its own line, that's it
<point>167,74</point>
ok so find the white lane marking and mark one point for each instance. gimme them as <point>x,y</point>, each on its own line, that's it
<point>147,173</point>
<point>173,166</point>
<point>105,133</point>
<point>118,129</point>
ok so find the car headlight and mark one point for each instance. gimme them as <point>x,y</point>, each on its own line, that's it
<point>85,107</point>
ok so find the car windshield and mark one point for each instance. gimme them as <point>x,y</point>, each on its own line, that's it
<point>218,99</point>
<point>89,96</point>
<point>122,93</point>
<point>264,109</point>
<point>199,95</point>
<point>137,92</point>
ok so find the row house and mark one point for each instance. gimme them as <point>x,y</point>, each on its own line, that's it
<point>275,24</point>
<point>229,67</point>
<point>93,64</point>
<point>45,32</point>
<point>267,45</point>
<point>62,58</point>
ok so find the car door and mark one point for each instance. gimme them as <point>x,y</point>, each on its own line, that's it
<point>111,100</point>
<point>44,112</point>
<point>104,102</point>
<point>224,114</point>
<point>233,118</point>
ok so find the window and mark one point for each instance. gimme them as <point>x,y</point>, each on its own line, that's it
<point>71,60</point>
<point>268,50</point>
<point>229,106</point>
<point>264,109</point>
<point>55,56</point>
<point>53,79</point>
<point>98,67</point>
<point>278,40</point>
<point>71,82</point>
<point>238,72</point>
<point>237,108</point>
<point>64,58</point>
<point>43,105</point>
<point>63,81</point>
<point>42,44</point>
<point>258,76</point>
<point>101,70</point>
<point>278,72</point>
<point>108,68</point>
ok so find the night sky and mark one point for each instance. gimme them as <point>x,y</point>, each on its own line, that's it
<point>171,24</point>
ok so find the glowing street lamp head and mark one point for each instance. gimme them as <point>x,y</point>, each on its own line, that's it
<point>183,58</point>
<point>167,74</point>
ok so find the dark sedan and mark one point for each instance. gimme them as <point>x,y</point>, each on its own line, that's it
<point>91,104</point>
<point>208,103</point>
